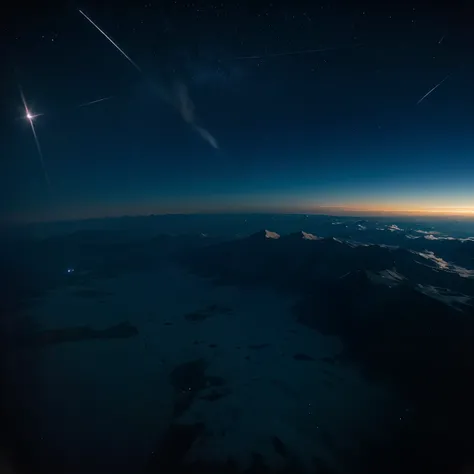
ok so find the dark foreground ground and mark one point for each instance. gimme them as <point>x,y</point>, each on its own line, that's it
<point>255,353</point>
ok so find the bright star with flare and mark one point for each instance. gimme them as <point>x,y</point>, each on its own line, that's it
<point>30,118</point>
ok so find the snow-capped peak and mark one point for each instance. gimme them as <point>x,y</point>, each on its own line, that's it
<point>394,228</point>
<point>271,235</point>
<point>308,236</point>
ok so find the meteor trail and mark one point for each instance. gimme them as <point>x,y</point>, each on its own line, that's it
<point>433,89</point>
<point>179,97</point>
<point>111,41</point>
<point>95,101</point>
<point>30,117</point>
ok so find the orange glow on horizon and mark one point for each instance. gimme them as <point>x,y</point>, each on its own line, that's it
<point>439,211</point>
<point>438,206</point>
<point>234,206</point>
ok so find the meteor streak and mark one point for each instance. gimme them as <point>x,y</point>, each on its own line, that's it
<point>111,41</point>
<point>179,97</point>
<point>95,101</point>
<point>433,89</point>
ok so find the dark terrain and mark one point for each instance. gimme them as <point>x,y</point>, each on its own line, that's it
<point>402,308</point>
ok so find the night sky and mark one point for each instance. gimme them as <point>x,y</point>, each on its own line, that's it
<point>226,107</point>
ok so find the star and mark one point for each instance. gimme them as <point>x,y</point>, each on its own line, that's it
<point>31,116</point>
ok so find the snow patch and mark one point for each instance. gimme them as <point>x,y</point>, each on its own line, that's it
<point>271,235</point>
<point>433,237</point>
<point>392,275</point>
<point>308,236</point>
<point>426,231</point>
<point>444,295</point>
<point>444,265</point>
<point>386,277</point>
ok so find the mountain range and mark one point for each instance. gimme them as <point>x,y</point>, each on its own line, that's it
<point>399,298</point>
<point>405,316</point>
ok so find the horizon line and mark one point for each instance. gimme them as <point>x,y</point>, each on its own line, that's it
<point>343,212</point>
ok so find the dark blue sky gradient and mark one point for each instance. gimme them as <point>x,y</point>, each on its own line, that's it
<point>337,128</point>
